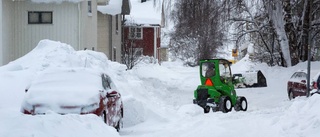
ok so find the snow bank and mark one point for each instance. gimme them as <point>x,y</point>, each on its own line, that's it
<point>53,125</point>
<point>302,118</point>
<point>49,54</point>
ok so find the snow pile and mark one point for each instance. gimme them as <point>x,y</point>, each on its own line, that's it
<point>303,116</point>
<point>56,54</point>
<point>114,7</point>
<point>138,13</point>
<point>14,124</point>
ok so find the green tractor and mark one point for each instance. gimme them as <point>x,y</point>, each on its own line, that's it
<point>217,91</point>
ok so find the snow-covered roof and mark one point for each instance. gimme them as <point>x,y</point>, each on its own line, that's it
<point>144,13</point>
<point>113,8</point>
<point>55,1</point>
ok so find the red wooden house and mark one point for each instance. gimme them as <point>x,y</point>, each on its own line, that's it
<point>145,39</point>
<point>142,29</point>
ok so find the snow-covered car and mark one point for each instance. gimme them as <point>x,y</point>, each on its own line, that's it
<point>297,84</point>
<point>74,91</point>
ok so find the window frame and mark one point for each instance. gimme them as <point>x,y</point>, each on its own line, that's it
<point>89,8</point>
<point>117,24</point>
<point>133,35</point>
<point>40,19</point>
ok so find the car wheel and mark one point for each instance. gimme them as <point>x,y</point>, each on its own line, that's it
<point>119,125</point>
<point>225,104</point>
<point>104,117</point>
<point>290,95</point>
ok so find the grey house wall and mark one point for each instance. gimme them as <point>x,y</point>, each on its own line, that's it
<point>109,38</point>
<point>71,24</point>
<point>1,51</point>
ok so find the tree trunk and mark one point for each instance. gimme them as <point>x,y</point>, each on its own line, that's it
<point>290,31</point>
<point>305,37</point>
<point>275,10</point>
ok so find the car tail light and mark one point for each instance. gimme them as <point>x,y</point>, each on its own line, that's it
<point>209,82</point>
<point>314,85</point>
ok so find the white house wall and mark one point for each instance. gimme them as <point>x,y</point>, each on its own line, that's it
<point>88,26</point>
<point>7,31</point>
<point>64,28</point>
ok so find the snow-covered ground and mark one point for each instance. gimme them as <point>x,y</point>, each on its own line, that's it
<point>157,101</point>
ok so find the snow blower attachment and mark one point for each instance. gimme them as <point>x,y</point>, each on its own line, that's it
<point>250,79</point>
<point>216,91</point>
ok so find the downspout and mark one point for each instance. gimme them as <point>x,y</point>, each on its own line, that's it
<point>110,38</point>
<point>79,25</point>
<point>155,42</point>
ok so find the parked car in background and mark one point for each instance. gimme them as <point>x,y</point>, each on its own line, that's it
<point>74,91</point>
<point>297,84</point>
<point>316,84</point>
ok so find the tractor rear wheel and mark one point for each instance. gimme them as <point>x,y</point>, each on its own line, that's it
<point>241,104</point>
<point>225,104</point>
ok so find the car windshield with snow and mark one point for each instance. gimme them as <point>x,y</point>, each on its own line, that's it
<point>74,91</point>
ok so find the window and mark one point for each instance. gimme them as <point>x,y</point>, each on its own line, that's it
<point>225,73</point>
<point>117,24</point>
<point>138,51</point>
<point>40,17</point>
<point>135,33</point>
<point>114,54</point>
<point>89,8</point>
<point>208,69</point>
<point>158,32</point>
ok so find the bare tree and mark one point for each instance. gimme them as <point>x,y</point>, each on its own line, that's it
<point>280,30</point>
<point>198,30</point>
<point>282,27</point>
<point>131,53</point>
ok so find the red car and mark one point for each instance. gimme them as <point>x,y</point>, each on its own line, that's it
<point>74,91</point>
<point>297,84</point>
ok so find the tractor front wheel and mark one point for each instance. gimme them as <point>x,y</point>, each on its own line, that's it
<point>206,109</point>
<point>241,104</point>
<point>225,104</point>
